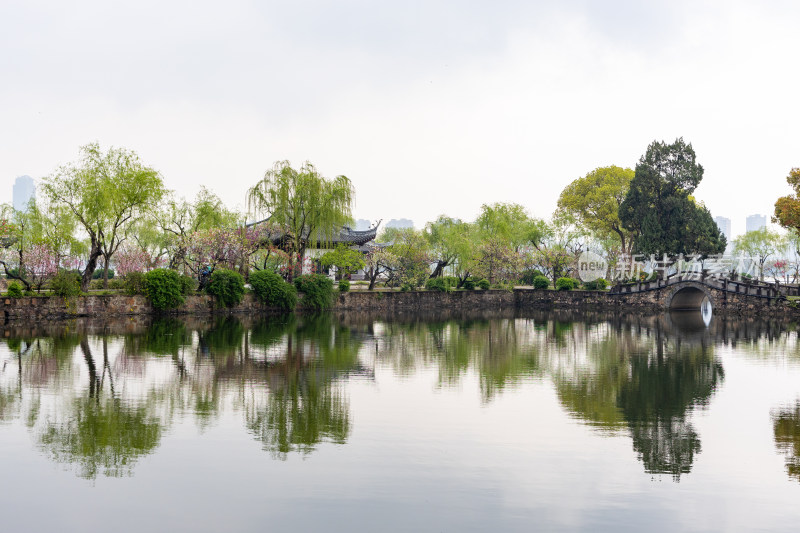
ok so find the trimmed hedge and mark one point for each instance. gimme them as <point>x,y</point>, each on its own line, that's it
<point>66,284</point>
<point>270,289</point>
<point>437,284</point>
<point>14,290</point>
<point>318,290</point>
<point>599,284</point>
<point>344,285</point>
<point>565,284</point>
<point>482,284</point>
<point>164,288</point>
<point>227,286</point>
<point>540,282</point>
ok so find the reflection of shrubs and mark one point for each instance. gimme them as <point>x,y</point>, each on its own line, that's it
<point>227,286</point>
<point>599,284</point>
<point>66,284</point>
<point>133,283</point>
<point>482,284</point>
<point>318,290</point>
<point>565,284</point>
<point>540,282</point>
<point>344,285</point>
<point>14,290</point>
<point>164,288</point>
<point>437,284</point>
<point>271,290</point>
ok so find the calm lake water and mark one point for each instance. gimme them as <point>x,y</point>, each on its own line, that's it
<point>505,422</point>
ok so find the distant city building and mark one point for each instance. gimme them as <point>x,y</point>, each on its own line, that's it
<point>724,225</point>
<point>362,224</point>
<point>24,190</point>
<point>400,223</point>
<point>756,222</point>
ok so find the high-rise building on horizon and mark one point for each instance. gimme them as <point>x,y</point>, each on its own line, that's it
<point>724,225</point>
<point>24,190</point>
<point>756,222</point>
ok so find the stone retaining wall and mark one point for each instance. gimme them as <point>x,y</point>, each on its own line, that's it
<point>45,308</point>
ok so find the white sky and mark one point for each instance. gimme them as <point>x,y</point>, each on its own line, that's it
<point>428,107</point>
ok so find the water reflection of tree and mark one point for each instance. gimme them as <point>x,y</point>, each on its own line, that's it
<point>501,352</point>
<point>304,407</point>
<point>786,426</point>
<point>656,402</point>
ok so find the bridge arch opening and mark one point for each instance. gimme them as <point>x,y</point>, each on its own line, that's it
<point>690,299</point>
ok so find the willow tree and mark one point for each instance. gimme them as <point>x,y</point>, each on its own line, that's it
<point>106,192</point>
<point>309,208</point>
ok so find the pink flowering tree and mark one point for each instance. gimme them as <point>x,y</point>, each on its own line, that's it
<point>225,248</point>
<point>41,264</point>
<point>134,259</point>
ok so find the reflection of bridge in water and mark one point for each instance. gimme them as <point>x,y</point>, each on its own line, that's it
<point>680,292</point>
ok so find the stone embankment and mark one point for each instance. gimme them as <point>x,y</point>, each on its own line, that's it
<point>46,308</point>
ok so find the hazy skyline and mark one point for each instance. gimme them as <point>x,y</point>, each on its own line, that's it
<point>429,108</point>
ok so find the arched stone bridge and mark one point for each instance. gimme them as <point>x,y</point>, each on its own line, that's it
<point>688,292</point>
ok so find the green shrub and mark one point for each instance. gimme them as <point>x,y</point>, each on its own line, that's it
<point>98,274</point>
<point>163,288</point>
<point>529,276</point>
<point>482,284</point>
<point>565,284</point>
<point>188,284</point>
<point>318,290</point>
<point>599,284</point>
<point>344,285</point>
<point>116,284</point>
<point>133,283</point>
<point>437,284</point>
<point>540,282</point>
<point>270,289</point>
<point>96,284</point>
<point>66,284</point>
<point>469,284</point>
<point>227,286</point>
<point>14,290</point>
<point>451,281</point>
<point>405,287</point>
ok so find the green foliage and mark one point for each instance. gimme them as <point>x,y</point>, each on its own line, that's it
<point>437,284</point>
<point>14,290</point>
<point>344,285</point>
<point>483,284</point>
<point>271,290</point>
<point>188,284</point>
<point>133,283</point>
<point>451,281</point>
<point>659,207</point>
<point>759,245</point>
<point>540,282</point>
<point>469,284</point>
<point>98,274</point>
<point>594,200</point>
<point>164,288</point>
<point>303,202</point>
<point>318,290</point>
<point>405,287</point>
<point>227,285</point>
<point>565,284</point>
<point>599,284</point>
<point>346,260</point>
<point>527,276</point>
<point>66,284</point>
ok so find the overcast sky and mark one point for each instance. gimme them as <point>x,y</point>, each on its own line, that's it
<point>428,107</point>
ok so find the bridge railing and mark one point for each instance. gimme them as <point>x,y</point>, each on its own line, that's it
<point>745,287</point>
